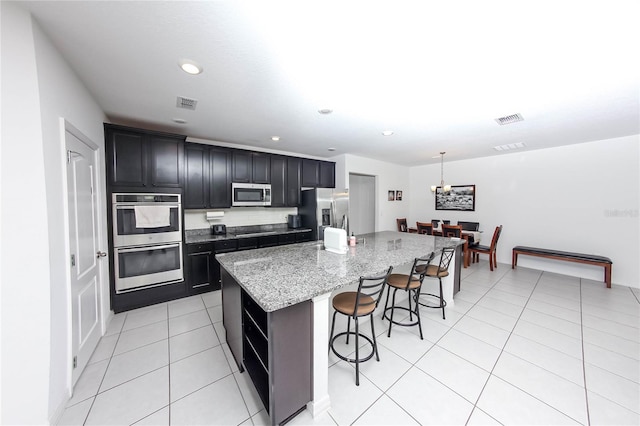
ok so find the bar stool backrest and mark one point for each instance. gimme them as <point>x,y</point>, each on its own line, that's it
<point>445,258</point>
<point>372,287</point>
<point>419,268</point>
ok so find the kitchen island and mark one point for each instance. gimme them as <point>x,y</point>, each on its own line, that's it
<point>276,309</point>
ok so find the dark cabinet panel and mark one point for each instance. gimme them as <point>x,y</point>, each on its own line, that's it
<point>278,181</point>
<point>126,154</point>
<point>260,167</point>
<point>241,168</point>
<point>302,237</point>
<point>286,239</point>
<point>207,177</point>
<point>327,174</point>
<point>310,172</point>
<point>196,177</point>
<point>202,268</point>
<point>166,158</point>
<point>294,172</point>
<point>220,183</point>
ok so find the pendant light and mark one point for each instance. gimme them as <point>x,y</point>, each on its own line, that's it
<point>445,188</point>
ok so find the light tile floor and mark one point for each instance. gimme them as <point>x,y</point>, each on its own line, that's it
<point>518,347</point>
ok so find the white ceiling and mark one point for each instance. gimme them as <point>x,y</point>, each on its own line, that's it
<point>436,73</point>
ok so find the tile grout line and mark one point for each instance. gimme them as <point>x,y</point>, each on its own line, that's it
<point>475,404</point>
<point>584,368</point>
<point>105,372</point>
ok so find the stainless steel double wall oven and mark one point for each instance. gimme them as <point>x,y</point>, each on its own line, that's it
<point>147,240</point>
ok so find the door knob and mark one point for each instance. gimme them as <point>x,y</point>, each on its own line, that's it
<point>101,254</point>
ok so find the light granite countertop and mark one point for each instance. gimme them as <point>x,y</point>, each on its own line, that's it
<point>277,277</point>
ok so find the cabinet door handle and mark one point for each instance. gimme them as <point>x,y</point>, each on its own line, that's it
<point>101,254</point>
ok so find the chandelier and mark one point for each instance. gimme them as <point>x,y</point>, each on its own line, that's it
<point>445,188</point>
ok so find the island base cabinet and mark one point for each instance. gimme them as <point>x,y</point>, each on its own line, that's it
<point>274,348</point>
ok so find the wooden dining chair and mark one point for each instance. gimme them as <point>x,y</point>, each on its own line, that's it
<point>402,224</point>
<point>424,228</point>
<point>455,231</point>
<point>477,249</point>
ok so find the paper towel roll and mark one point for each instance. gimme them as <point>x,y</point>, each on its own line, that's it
<point>214,215</point>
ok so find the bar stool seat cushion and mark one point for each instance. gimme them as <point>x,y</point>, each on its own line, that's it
<point>434,271</point>
<point>400,281</point>
<point>345,303</point>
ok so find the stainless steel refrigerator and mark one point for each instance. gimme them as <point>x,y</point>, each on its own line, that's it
<point>324,207</point>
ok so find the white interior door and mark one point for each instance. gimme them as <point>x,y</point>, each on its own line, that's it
<point>83,244</point>
<point>362,203</point>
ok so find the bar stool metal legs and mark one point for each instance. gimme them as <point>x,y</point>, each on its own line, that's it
<point>356,304</point>
<point>439,271</point>
<point>412,284</point>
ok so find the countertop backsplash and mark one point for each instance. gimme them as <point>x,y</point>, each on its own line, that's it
<point>238,216</point>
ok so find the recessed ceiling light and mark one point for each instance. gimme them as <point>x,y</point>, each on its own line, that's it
<point>180,120</point>
<point>190,67</point>
<point>325,111</point>
<point>275,138</point>
<point>387,132</point>
<point>331,149</point>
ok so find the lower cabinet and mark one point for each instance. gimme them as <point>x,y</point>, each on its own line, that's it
<point>273,347</point>
<point>202,268</point>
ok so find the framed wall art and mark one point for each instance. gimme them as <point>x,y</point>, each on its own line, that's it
<point>461,198</point>
<point>391,196</point>
<point>398,195</point>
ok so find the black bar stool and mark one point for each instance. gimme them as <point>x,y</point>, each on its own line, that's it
<point>439,271</point>
<point>410,283</point>
<point>356,304</point>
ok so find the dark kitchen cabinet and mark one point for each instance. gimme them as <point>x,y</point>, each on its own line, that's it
<point>285,181</point>
<point>241,168</point>
<point>143,159</point>
<point>202,269</point>
<point>251,167</point>
<point>310,172</point>
<point>327,174</point>
<point>318,174</point>
<point>260,167</point>
<point>294,170</point>
<point>207,177</point>
<point>269,347</point>
<point>220,178</point>
<point>278,181</point>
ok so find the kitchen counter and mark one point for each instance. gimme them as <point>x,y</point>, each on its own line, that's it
<point>197,236</point>
<point>278,277</point>
<point>285,291</point>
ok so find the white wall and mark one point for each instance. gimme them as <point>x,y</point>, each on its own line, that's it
<point>62,94</point>
<point>581,198</point>
<point>38,89</point>
<point>388,177</point>
<point>25,245</point>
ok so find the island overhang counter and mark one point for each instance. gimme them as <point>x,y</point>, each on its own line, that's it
<point>276,309</point>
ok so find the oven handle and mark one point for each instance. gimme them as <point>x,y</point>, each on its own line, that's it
<point>130,206</point>
<point>144,248</point>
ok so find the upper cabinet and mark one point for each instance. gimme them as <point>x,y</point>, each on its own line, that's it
<point>251,167</point>
<point>285,181</point>
<point>319,174</point>
<point>207,177</point>
<point>141,159</point>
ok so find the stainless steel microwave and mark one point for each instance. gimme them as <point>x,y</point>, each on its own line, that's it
<point>251,194</point>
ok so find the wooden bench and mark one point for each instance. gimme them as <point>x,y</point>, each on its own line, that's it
<point>589,259</point>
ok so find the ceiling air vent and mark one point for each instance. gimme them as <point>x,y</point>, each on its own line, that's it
<point>513,118</point>
<point>186,103</point>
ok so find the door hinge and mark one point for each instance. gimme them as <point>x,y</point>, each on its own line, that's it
<point>75,362</point>
<point>73,260</point>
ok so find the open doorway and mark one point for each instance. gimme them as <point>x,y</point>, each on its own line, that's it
<point>362,203</point>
